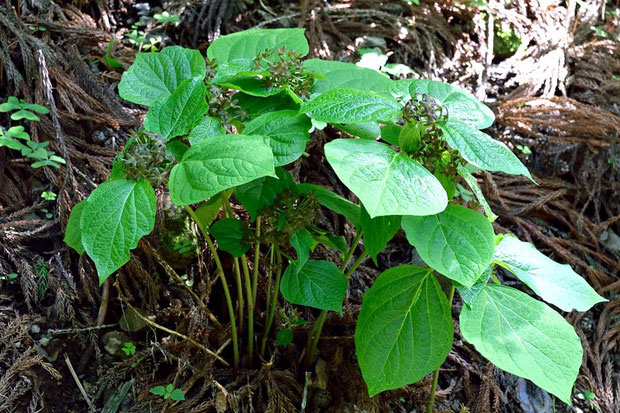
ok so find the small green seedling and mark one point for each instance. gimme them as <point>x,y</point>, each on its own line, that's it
<point>168,392</point>
<point>165,17</point>
<point>525,150</point>
<point>38,28</point>
<point>9,278</point>
<point>136,36</point>
<point>22,109</point>
<point>152,44</point>
<point>129,348</point>
<point>47,213</point>
<point>587,396</point>
<point>49,195</point>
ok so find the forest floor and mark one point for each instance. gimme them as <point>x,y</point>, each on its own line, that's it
<point>549,69</point>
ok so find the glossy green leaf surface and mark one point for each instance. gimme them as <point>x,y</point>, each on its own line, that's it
<point>387,182</point>
<point>457,242</point>
<point>468,295</point>
<point>178,113</point>
<point>480,150</point>
<point>73,231</point>
<point>318,284</point>
<point>404,330</point>
<point>351,106</point>
<point>249,43</point>
<point>219,163</point>
<point>303,243</point>
<point>555,283</point>
<point>370,130</point>
<point>207,127</point>
<point>287,131</point>
<point>118,213</point>
<point>231,236</point>
<point>153,76</point>
<point>524,337</point>
<point>460,104</point>
<point>336,75</point>
<point>378,232</point>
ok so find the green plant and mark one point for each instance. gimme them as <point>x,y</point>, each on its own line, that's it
<point>168,392</point>
<point>587,396</point>
<point>16,137</point>
<point>41,271</point>
<point>414,142</point>
<point>166,17</point>
<point>129,348</point>
<point>136,36</point>
<point>23,110</point>
<point>48,195</point>
<point>9,278</point>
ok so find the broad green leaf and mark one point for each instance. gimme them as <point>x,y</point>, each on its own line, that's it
<point>177,148</point>
<point>153,76</point>
<point>457,242</point>
<point>404,330</point>
<point>473,185</point>
<point>285,337</point>
<point>261,193</point>
<point>287,131</point>
<point>158,390</point>
<point>351,106</point>
<point>378,232</point>
<point>208,211</point>
<point>249,43</point>
<point>461,105</point>
<point>524,337</point>
<point>177,394</point>
<point>250,85</point>
<point>12,144</point>
<point>118,213</point>
<point>370,130</point>
<point>321,236</point>
<point>555,283</point>
<point>232,236</point>
<point>387,182</point>
<point>208,127</point>
<point>335,75</point>
<point>12,103</point>
<point>480,150</point>
<point>25,114</point>
<point>390,133</point>
<point>303,243</point>
<point>333,201</point>
<point>469,294</point>
<point>178,113</point>
<point>73,232</point>
<point>219,163</point>
<point>317,284</point>
<point>255,106</point>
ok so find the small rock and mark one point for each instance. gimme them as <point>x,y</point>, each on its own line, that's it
<point>35,329</point>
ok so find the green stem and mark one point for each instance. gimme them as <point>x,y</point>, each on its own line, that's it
<point>357,263</point>
<point>256,261</point>
<point>315,333</point>
<point>431,401</point>
<point>274,302</point>
<point>313,339</point>
<point>218,263</point>
<point>237,268</point>
<point>352,248</point>
<point>248,289</point>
